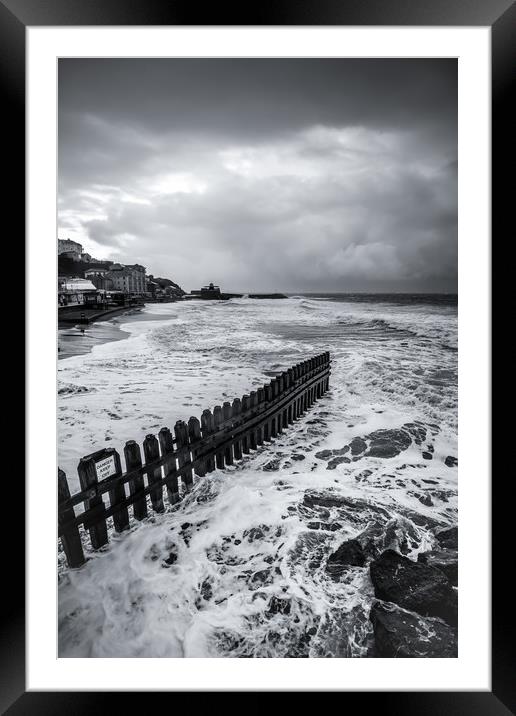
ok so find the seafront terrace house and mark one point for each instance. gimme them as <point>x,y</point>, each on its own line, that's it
<point>129,278</point>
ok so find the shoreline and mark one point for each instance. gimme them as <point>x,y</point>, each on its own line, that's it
<point>79,340</point>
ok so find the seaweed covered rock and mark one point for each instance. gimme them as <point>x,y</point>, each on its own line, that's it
<point>402,634</point>
<point>413,585</point>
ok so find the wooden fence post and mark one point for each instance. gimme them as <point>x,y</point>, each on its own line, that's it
<point>207,429</point>
<point>194,434</point>
<point>228,451</point>
<point>133,460</point>
<point>166,444</point>
<point>260,397</point>
<point>286,383</point>
<point>270,424</point>
<point>237,410</point>
<point>96,522</point>
<point>71,539</point>
<point>151,452</point>
<point>117,495</point>
<point>183,452</point>
<point>217,420</point>
<point>253,404</point>
<point>246,404</point>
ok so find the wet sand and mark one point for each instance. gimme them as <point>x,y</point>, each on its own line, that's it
<point>79,339</point>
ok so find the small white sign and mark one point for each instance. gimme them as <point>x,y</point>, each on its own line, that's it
<point>106,467</point>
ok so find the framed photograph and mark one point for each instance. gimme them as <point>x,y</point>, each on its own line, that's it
<point>258,353</point>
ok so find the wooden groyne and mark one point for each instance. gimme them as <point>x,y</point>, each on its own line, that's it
<point>198,447</point>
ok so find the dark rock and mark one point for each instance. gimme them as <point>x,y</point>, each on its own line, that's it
<point>277,605</point>
<point>443,559</point>
<point>341,451</point>
<point>323,454</point>
<point>414,586</point>
<point>336,461</point>
<point>172,557</point>
<point>349,554</point>
<point>402,634</point>
<point>298,457</point>
<point>271,466</point>
<point>388,443</point>
<point>425,500</point>
<point>255,533</point>
<point>451,461</point>
<point>263,576</point>
<point>427,455</point>
<point>417,431</point>
<point>185,526</point>
<point>206,590</point>
<point>328,526</point>
<point>449,537</point>
<point>317,499</point>
<point>357,445</point>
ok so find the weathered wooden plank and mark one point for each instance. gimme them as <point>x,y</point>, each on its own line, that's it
<point>195,439</point>
<point>117,495</point>
<point>218,419</point>
<point>133,460</point>
<point>94,506</point>
<point>151,452</point>
<point>246,405</point>
<point>270,425</point>
<point>253,404</point>
<point>207,428</point>
<point>237,409</point>
<point>260,396</point>
<point>228,450</point>
<point>183,452</point>
<point>71,539</point>
<point>166,444</point>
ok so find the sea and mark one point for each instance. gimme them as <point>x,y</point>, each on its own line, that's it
<point>239,568</point>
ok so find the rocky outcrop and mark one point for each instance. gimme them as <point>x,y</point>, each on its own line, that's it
<point>349,554</point>
<point>444,559</point>
<point>382,444</point>
<point>414,586</point>
<point>403,634</point>
<point>448,538</point>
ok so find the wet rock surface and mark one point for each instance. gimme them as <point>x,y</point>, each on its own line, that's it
<point>414,586</point>
<point>349,554</point>
<point>384,443</point>
<point>448,538</point>
<point>445,560</point>
<point>403,634</point>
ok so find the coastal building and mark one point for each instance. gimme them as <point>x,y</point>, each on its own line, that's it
<point>76,291</point>
<point>129,279</point>
<point>67,246</point>
<point>99,278</point>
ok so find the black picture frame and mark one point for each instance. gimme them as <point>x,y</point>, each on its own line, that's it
<point>500,15</point>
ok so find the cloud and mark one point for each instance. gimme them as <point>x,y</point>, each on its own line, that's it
<point>299,206</point>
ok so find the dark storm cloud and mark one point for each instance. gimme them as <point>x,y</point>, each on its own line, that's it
<point>261,174</point>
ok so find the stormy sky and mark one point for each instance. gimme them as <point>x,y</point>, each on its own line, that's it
<point>294,175</point>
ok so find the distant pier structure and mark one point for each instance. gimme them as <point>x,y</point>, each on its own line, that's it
<point>211,292</point>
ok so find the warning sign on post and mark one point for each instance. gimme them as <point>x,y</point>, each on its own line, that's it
<point>106,467</point>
